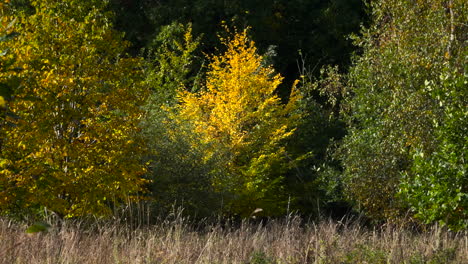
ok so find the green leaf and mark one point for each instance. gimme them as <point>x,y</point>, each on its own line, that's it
<point>8,36</point>
<point>38,227</point>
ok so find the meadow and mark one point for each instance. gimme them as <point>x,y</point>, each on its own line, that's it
<point>176,239</point>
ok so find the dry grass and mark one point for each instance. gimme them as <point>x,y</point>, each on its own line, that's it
<point>177,241</point>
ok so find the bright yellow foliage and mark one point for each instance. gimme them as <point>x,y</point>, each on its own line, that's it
<point>240,114</point>
<point>72,147</point>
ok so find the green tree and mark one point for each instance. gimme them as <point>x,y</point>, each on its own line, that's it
<point>315,181</point>
<point>172,64</point>
<point>436,187</point>
<point>180,175</point>
<point>390,112</point>
<point>73,146</point>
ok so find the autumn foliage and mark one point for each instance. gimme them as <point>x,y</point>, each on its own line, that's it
<point>71,144</point>
<point>240,117</point>
<point>222,128</point>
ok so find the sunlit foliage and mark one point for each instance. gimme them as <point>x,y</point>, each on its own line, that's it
<point>240,117</point>
<point>398,110</point>
<point>72,145</point>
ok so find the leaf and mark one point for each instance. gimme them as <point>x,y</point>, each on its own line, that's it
<point>3,52</point>
<point>8,36</point>
<point>38,227</point>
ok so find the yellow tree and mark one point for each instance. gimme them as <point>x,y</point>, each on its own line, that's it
<point>240,116</point>
<point>72,146</point>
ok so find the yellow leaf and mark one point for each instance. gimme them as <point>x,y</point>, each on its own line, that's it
<point>2,102</point>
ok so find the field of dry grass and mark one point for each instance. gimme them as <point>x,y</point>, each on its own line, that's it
<point>280,241</point>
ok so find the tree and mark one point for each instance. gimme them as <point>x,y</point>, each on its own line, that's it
<point>316,183</point>
<point>436,187</point>
<point>241,121</point>
<point>9,82</point>
<point>392,115</point>
<point>7,33</point>
<point>317,27</point>
<point>172,64</point>
<point>180,175</point>
<point>73,146</point>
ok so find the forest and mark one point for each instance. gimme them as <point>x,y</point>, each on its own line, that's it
<point>236,110</point>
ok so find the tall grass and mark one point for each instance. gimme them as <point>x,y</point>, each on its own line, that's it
<point>178,240</point>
